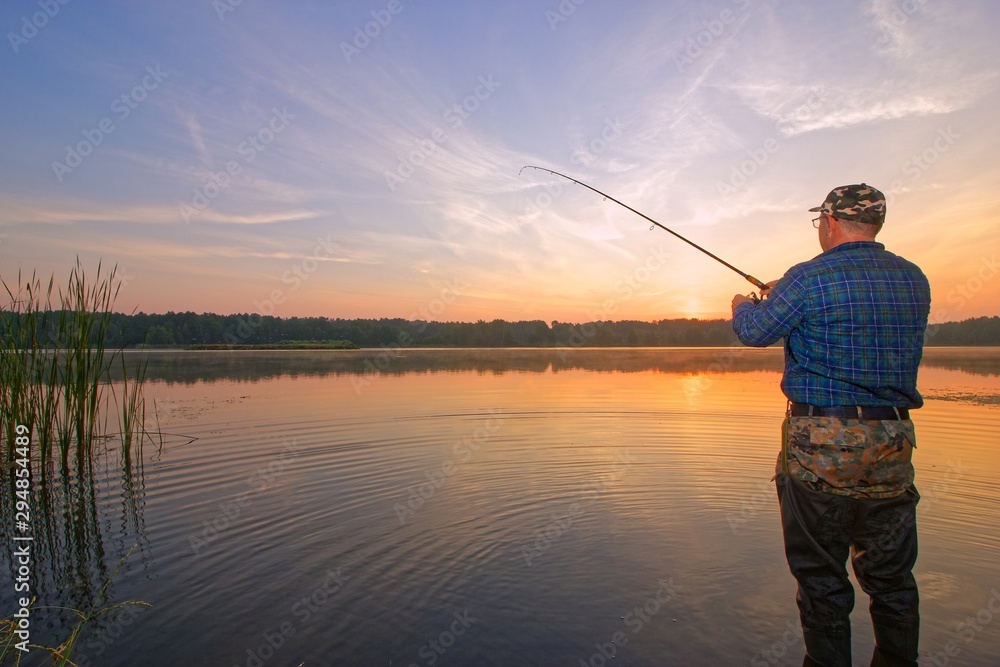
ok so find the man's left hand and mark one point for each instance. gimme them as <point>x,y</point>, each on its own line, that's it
<point>740,298</point>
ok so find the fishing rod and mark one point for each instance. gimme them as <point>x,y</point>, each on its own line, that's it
<point>762,285</point>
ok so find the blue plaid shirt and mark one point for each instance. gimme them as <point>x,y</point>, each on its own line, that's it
<point>853,320</point>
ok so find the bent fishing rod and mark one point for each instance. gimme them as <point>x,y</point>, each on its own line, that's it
<point>762,285</point>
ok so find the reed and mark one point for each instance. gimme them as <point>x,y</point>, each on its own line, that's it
<point>54,370</point>
<point>62,654</point>
<point>82,401</point>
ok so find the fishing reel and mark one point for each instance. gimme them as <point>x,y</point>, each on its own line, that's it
<point>764,289</point>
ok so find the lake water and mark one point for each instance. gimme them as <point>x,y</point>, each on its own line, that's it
<point>493,507</point>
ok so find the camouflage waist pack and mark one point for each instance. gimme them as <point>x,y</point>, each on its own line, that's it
<point>867,459</point>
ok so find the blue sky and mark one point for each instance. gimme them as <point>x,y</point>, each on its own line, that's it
<point>361,159</point>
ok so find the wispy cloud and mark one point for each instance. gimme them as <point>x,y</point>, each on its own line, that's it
<point>196,132</point>
<point>655,103</point>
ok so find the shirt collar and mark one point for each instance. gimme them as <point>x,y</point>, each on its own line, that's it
<point>851,245</point>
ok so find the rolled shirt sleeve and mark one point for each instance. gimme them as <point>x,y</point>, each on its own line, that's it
<point>773,318</point>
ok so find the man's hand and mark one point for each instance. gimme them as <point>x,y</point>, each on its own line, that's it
<point>764,293</point>
<point>740,298</point>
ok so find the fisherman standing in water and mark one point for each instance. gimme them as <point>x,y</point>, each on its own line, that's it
<point>853,322</point>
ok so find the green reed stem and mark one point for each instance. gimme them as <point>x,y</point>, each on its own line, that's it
<point>54,370</point>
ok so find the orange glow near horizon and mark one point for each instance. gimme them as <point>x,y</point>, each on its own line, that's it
<point>366,202</point>
<point>591,284</point>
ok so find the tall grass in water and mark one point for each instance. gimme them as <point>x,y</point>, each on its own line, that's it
<point>62,653</point>
<point>60,378</point>
<point>55,369</point>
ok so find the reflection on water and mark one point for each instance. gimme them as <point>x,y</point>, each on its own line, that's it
<point>78,532</point>
<point>190,367</point>
<point>530,507</point>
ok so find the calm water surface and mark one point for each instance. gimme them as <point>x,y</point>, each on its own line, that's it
<point>488,507</point>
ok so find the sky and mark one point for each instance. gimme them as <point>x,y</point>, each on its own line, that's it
<point>364,159</point>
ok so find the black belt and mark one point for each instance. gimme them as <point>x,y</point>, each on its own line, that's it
<point>848,411</point>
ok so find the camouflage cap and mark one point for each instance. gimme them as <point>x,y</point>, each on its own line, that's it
<point>860,203</point>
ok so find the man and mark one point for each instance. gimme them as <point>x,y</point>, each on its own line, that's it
<point>853,321</point>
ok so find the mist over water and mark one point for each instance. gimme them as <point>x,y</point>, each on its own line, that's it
<point>498,507</point>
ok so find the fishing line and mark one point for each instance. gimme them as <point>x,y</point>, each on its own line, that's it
<point>753,281</point>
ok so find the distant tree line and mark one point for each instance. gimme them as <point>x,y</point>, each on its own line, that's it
<point>978,331</point>
<point>187,329</point>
